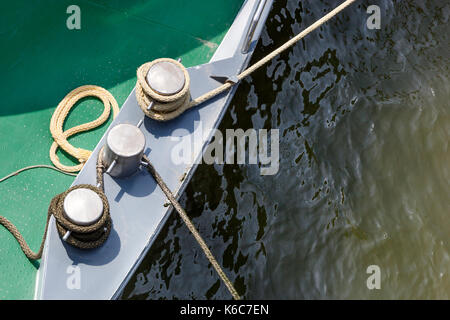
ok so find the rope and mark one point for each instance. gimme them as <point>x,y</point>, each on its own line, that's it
<point>143,90</point>
<point>83,237</point>
<point>23,244</point>
<point>191,228</point>
<point>59,116</point>
<point>15,173</point>
<point>60,136</point>
<point>164,107</point>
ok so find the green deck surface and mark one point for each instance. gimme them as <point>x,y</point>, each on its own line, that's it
<point>41,61</point>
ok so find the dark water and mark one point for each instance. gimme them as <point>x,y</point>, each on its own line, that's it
<point>364,121</point>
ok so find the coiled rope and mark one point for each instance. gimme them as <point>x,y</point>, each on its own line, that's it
<point>191,228</point>
<point>168,107</point>
<point>60,137</point>
<point>59,116</point>
<point>83,237</point>
<point>164,107</point>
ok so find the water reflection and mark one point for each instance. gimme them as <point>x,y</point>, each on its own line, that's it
<point>364,171</point>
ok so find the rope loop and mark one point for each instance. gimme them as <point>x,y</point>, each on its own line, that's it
<point>59,116</point>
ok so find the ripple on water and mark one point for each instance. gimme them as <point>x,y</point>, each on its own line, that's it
<point>364,171</point>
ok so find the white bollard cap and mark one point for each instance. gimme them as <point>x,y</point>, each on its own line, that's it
<point>166,78</point>
<point>124,149</point>
<point>83,206</point>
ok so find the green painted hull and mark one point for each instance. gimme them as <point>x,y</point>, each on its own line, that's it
<point>42,61</point>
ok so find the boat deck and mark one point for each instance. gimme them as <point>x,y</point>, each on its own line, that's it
<point>44,61</point>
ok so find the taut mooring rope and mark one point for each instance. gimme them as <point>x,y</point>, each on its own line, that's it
<point>178,105</point>
<point>191,228</point>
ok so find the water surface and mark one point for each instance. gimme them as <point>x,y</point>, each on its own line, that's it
<point>364,174</point>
